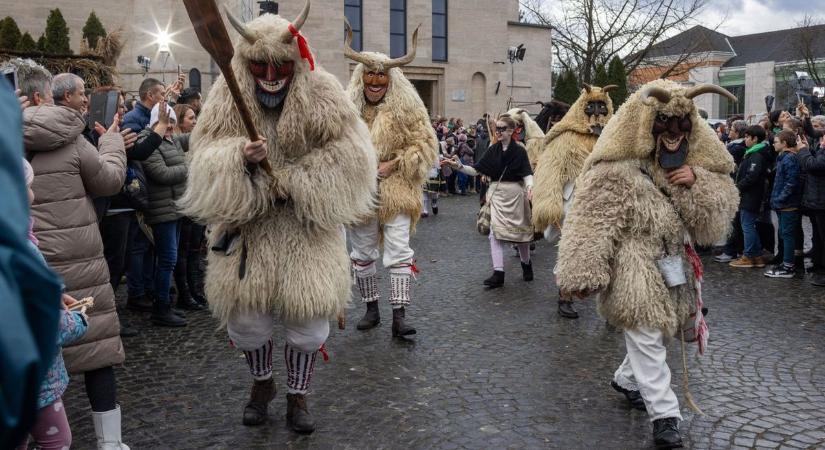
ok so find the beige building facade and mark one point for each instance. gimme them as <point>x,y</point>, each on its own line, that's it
<point>475,77</point>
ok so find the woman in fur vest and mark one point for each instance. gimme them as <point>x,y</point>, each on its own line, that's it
<point>657,182</point>
<point>507,166</point>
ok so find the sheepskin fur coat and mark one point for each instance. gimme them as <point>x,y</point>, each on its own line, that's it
<point>289,226</point>
<point>566,146</point>
<point>400,128</point>
<point>533,136</point>
<point>626,215</point>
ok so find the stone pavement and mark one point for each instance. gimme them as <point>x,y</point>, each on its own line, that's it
<point>489,369</point>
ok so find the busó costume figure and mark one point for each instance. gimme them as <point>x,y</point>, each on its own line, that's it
<point>566,146</point>
<point>405,144</point>
<point>657,181</point>
<point>276,247</point>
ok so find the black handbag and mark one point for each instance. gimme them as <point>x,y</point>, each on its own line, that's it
<point>135,189</point>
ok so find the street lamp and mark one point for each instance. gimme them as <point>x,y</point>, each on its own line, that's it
<point>514,54</point>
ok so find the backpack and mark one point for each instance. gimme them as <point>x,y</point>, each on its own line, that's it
<point>135,188</point>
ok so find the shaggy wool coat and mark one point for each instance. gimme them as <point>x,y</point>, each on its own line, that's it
<point>626,215</point>
<point>566,147</point>
<point>297,265</point>
<point>400,128</point>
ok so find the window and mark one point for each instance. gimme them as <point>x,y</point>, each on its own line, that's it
<point>352,11</point>
<point>398,28</point>
<point>728,108</point>
<point>439,30</point>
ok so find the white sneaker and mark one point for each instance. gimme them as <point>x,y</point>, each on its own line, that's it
<point>723,258</point>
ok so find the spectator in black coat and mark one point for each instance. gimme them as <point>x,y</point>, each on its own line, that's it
<point>750,180</point>
<point>812,161</point>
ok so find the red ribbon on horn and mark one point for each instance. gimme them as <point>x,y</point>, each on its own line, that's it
<point>303,46</point>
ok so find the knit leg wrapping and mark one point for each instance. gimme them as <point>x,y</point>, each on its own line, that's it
<point>367,281</point>
<point>299,368</point>
<point>400,283</point>
<point>260,361</point>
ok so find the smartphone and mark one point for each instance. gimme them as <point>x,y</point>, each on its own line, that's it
<point>102,108</point>
<point>10,74</point>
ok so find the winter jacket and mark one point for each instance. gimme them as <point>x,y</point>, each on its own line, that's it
<point>136,119</point>
<point>165,171</point>
<point>30,298</point>
<point>72,327</point>
<point>737,149</point>
<point>750,180</point>
<point>813,166</point>
<point>787,188</point>
<point>68,172</point>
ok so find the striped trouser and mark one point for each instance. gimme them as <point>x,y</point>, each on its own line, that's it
<point>252,333</point>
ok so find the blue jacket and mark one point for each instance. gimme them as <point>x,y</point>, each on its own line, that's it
<point>30,299</point>
<point>136,119</point>
<point>787,186</point>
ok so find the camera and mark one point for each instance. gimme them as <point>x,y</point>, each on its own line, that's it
<point>10,74</point>
<point>145,62</point>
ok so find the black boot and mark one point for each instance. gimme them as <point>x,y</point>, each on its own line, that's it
<point>371,318</point>
<point>527,271</point>
<point>634,397</point>
<point>566,310</point>
<point>127,331</point>
<point>140,303</point>
<point>163,316</point>
<point>496,280</point>
<point>399,327</point>
<point>818,279</point>
<point>194,279</point>
<point>257,409</point>
<point>185,301</point>
<point>666,433</point>
<point>297,415</point>
<point>435,210</point>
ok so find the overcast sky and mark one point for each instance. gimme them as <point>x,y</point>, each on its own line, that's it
<point>756,16</point>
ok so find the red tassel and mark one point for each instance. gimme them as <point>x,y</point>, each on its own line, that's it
<point>303,47</point>
<point>324,353</point>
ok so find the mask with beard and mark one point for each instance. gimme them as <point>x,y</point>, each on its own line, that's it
<point>671,135</point>
<point>271,81</point>
<point>596,110</point>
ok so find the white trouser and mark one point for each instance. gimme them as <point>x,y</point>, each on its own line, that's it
<point>645,369</point>
<point>252,330</point>
<point>365,239</point>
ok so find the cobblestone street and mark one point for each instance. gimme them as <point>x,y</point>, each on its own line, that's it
<point>488,369</point>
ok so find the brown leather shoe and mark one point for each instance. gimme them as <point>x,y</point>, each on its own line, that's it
<point>257,409</point>
<point>297,415</point>
<point>759,262</point>
<point>745,262</point>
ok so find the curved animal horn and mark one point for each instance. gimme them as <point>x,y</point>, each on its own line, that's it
<point>587,87</point>
<point>409,57</point>
<point>240,27</point>
<point>709,89</point>
<point>297,23</point>
<point>609,87</point>
<point>349,52</point>
<point>656,92</point>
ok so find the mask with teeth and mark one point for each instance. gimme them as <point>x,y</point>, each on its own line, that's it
<point>596,112</point>
<point>376,84</point>
<point>671,134</point>
<point>271,81</point>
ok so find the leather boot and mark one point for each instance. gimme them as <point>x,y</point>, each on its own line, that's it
<point>139,303</point>
<point>297,415</point>
<point>527,271</point>
<point>163,316</point>
<point>399,327</point>
<point>496,280</point>
<point>818,279</point>
<point>666,433</point>
<point>634,397</point>
<point>257,409</point>
<point>371,318</point>
<point>566,310</point>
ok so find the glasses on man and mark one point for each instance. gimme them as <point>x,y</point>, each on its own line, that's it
<point>501,129</point>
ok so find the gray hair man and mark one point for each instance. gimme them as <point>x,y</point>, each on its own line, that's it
<point>35,82</point>
<point>69,90</point>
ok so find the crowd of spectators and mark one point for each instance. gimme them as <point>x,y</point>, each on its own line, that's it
<point>104,206</point>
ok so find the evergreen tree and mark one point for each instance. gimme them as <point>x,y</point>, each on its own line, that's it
<point>617,75</point>
<point>41,43</point>
<point>600,78</point>
<point>26,43</point>
<point>9,33</point>
<point>93,30</point>
<point>567,89</point>
<point>57,34</point>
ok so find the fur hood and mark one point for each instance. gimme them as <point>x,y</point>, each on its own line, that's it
<point>628,135</point>
<point>576,120</point>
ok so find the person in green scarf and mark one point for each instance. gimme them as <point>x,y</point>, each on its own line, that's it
<point>751,180</point>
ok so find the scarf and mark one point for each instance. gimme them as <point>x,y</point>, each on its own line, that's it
<point>756,148</point>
